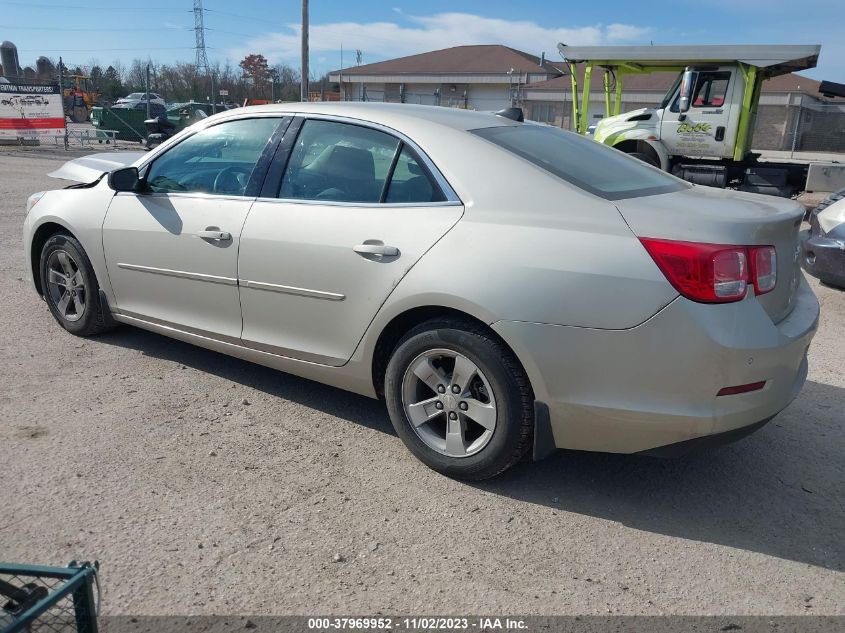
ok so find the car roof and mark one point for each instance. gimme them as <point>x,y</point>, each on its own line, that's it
<point>398,115</point>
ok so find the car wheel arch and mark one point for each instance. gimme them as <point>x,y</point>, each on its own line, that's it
<point>405,321</point>
<point>44,232</point>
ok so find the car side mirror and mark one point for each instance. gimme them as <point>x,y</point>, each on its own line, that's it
<point>124,179</point>
<point>687,83</point>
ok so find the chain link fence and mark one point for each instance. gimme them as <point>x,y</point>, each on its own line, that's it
<point>819,128</point>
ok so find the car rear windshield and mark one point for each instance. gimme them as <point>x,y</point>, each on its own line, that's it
<point>589,165</point>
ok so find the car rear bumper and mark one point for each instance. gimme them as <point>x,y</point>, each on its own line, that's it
<point>824,257</point>
<point>654,385</point>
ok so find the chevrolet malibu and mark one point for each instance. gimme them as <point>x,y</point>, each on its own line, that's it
<point>507,288</point>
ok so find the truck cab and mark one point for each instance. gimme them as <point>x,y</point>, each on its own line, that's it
<point>701,130</point>
<point>706,129</point>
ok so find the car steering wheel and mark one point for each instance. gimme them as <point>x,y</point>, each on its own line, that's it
<point>229,180</point>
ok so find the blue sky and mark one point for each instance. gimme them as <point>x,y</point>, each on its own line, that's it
<point>85,30</point>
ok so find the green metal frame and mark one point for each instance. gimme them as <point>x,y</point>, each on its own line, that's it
<point>78,581</point>
<point>748,109</point>
<point>753,77</point>
<point>613,105</point>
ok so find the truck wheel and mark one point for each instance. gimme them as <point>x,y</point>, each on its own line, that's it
<point>79,114</point>
<point>644,157</point>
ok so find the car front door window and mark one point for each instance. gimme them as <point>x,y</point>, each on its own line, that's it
<point>219,159</point>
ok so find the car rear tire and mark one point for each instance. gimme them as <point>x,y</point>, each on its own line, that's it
<point>459,399</point>
<point>70,287</point>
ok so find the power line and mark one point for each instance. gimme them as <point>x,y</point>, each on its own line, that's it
<point>30,5</point>
<point>208,28</point>
<point>90,30</point>
<point>144,9</point>
<point>236,15</point>
<point>94,50</point>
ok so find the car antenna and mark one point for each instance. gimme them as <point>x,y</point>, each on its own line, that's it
<point>514,114</point>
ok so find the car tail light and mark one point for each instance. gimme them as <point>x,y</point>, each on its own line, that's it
<point>764,268</point>
<point>714,273</point>
<point>709,273</point>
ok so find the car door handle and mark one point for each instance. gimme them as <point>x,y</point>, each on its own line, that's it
<point>376,249</point>
<point>222,236</point>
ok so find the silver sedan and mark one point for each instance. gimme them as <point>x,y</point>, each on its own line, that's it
<point>507,288</point>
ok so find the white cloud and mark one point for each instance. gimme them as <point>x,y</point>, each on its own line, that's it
<point>626,32</point>
<point>379,40</point>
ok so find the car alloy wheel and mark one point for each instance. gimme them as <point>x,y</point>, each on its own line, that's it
<point>66,285</point>
<point>449,403</point>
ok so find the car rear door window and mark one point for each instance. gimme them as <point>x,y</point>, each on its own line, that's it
<point>410,182</point>
<point>219,159</point>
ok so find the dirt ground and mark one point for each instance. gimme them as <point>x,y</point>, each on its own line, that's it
<point>207,485</point>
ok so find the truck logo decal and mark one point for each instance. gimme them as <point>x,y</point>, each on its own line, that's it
<point>698,128</point>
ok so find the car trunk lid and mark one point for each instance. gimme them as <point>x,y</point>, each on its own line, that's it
<point>719,216</point>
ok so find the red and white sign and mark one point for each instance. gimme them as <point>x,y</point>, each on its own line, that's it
<point>27,110</point>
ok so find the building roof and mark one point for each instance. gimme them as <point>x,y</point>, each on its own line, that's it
<point>661,82</point>
<point>481,58</point>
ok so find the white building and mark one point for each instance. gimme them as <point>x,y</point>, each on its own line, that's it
<point>485,77</point>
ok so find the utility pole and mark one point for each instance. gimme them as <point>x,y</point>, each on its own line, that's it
<point>62,96</point>
<point>147,86</point>
<point>304,71</point>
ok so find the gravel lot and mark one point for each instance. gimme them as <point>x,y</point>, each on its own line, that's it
<point>206,485</point>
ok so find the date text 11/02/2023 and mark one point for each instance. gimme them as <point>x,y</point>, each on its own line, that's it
<point>416,623</point>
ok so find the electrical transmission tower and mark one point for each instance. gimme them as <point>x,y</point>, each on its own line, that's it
<point>199,28</point>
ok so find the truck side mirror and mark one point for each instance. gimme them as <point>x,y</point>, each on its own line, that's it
<point>125,179</point>
<point>687,84</point>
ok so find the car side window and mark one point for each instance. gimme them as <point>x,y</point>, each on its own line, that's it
<point>338,162</point>
<point>410,182</point>
<point>218,159</point>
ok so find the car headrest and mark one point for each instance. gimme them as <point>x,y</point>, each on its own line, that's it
<point>415,169</point>
<point>350,162</point>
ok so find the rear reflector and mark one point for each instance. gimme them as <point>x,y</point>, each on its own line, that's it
<point>732,391</point>
<point>714,273</point>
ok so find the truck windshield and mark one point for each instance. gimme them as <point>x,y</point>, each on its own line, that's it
<point>591,166</point>
<point>667,99</point>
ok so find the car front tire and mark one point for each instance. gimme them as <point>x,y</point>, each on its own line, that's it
<point>70,287</point>
<point>459,399</point>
